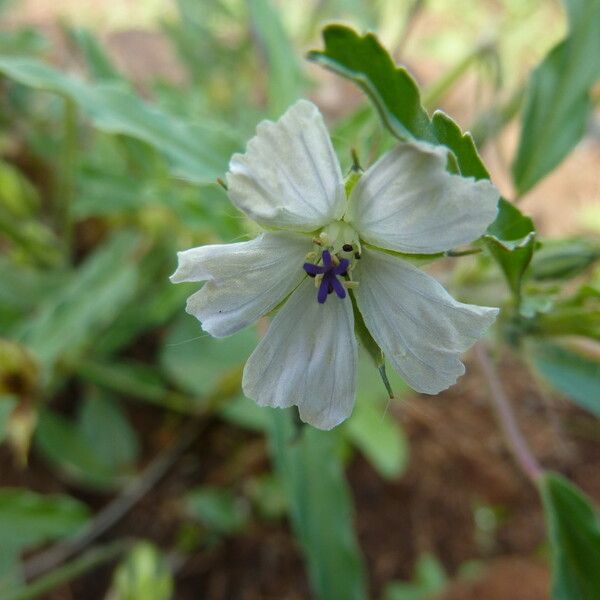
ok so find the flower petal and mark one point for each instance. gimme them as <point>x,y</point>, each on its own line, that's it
<point>408,202</point>
<point>307,359</point>
<point>245,280</point>
<point>420,328</point>
<point>289,177</point>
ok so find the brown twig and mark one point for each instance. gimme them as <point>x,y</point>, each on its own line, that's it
<point>53,557</point>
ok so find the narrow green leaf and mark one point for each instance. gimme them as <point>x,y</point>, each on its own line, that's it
<point>105,427</point>
<point>573,374</point>
<point>100,66</point>
<point>218,509</point>
<point>65,446</point>
<point>69,319</point>
<point>379,438</point>
<point>558,101</point>
<point>284,73</point>
<point>28,519</point>
<point>309,465</point>
<point>196,152</point>
<point>574,533</point>
<point>199,363</point>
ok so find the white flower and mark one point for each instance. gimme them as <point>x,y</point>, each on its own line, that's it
<point>289,181</point>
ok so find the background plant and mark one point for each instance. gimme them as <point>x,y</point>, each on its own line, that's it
<point>101,182</point>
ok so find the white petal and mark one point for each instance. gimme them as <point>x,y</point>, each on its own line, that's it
<point>290,177</point>
<point>245,280</point>
<point>408,202</point>
<point>307,359</point>
<point>421,329</point>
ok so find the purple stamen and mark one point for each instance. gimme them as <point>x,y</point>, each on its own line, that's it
<point>330,272</point>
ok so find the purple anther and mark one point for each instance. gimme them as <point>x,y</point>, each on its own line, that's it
<point>330,282</point>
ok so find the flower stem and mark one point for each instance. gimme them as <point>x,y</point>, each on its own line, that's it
<point>506,417</point>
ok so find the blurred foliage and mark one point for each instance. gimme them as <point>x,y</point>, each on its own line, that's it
<point>103,178</point>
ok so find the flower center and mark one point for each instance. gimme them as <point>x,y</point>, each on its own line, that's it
<point>327,275</point>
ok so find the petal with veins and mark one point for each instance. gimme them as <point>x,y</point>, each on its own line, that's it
<point>421,329</point>
<point>307,359</point>
<point>408,202</point>
<point>244,280</point>
<point>289,177</point>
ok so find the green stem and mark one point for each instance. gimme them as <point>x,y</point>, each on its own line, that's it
<point>438,89</point>
<point>492,121</point>
<point>466,252</point>
<point>86,562</point>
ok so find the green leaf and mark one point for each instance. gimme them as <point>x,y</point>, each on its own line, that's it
<point>558,101</point>
<point>99,65</point>
<point>449,134</point>
<point>30,519</point>
<point>394,93</point>
<point>243,412</point>
<point>574,533</point>
<point>284,74</point>
<point>511,241</point>
<point>134,379</point>
<point>65,446</point>
<point>218,509</point>
<point>573,374</point>
<point>309,465</point>
<point>430,580</point>
<point>379,438</point>
<point>199,363</point>
<point>105,427</point>
<point>196,152</point>
<point>69,320</point>
<point>143,575</point>
<point>371,429</point>
<point>392,89</point>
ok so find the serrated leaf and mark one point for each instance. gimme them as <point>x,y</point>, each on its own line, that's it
<point>573,374</point>
<point>392,89</point>
<point>558,100</point>
<point>198,152</point>
<point>394,93</point>
<point>308,463</point>
<point>574,534</point>
<point>511,241</point>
